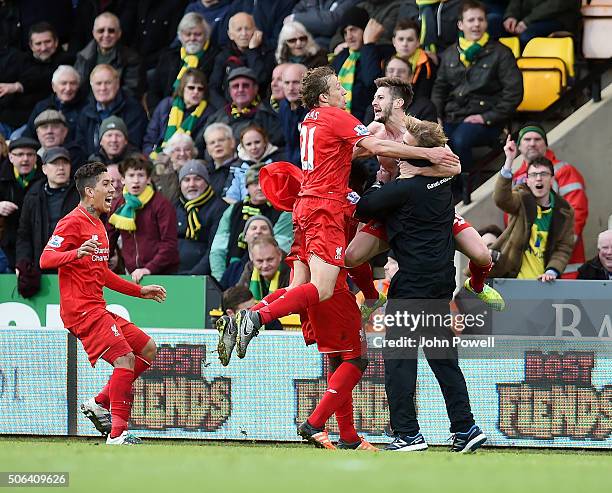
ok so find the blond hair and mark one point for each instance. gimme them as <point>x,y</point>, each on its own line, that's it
<point>426,134</point>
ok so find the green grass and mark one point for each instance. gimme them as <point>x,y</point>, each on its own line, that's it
<point>185,466</point>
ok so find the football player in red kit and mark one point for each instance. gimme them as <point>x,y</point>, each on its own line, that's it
<point>327,137</point>
<point>79,250</point>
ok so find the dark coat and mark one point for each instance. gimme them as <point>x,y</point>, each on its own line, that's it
<point>126,61</point>
<point>70,110</point>
<point>154,244</point>
<point>260,60</point>
<point>11,191</point>
<point>105,159</point>
<point>320,19</point>
<point>156,129</point>
<point>594,270</point>
<point>521,204</point>
<point>290,120</point>
<point>492,86</point>
<point>567,12</point>
<point>167,69</point>
<point>221,178</point>
<point>125,107</point>
<point>33,232</point>
<point>423,109</point>
<point>265,117</point>
<point>193,254</point>
<point>368,69</point>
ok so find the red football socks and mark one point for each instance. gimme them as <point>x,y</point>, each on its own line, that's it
<point>345,419</point>
<point>120,399</point>
<point>103,398</point>
<point>479,274</point>
<point>339,390</point>
<point>269,299</point>
<point>293,301</point>
<point>364,279</point>
<point>140,366</point>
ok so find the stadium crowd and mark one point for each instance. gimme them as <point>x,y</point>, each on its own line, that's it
<point>185,102</point>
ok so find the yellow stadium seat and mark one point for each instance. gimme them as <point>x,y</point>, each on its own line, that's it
<point>542,87</point>
<point>543,64</point>
<point>597,19</point>
<point>514,44</point>
<point>562,48</point>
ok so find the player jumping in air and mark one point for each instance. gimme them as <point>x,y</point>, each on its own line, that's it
<point>327,137</point>
<point>79,249</point>
<point>390,102</point>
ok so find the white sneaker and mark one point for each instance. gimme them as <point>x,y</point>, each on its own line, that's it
<point>126,438</point>
<point>100,417</point>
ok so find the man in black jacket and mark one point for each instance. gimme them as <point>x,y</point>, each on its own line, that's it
<point>599,267</point>
<point>17,174</point>
<point>419,215</point>
<point>46,202</point>
<point>478,86</point>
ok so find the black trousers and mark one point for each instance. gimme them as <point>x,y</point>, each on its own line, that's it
<point>401,366</point>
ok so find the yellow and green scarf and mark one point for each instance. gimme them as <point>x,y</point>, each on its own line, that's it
<point>236,112</point>
<point>189,61</point>
<point>469,49</point>
<point>193,207</point>
<point>24,180</point>
<point>124,217</point>
<point>257,288</point>
<point>346,76</point>
<point>177,122</point>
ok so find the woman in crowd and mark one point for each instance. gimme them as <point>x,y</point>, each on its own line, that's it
<point>177,151</point>
<point>296,45</point>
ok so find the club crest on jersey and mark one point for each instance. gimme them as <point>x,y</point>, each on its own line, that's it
<point>115,331</point>
<point>361,130</point>
<point>338,253</point>
<point>55,241</point>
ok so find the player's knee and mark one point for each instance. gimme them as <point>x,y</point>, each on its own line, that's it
<point>481,256</point>
<point>351,258</point>
<point>149,352</point>
<point>361,363</point>
<point>126,361</point>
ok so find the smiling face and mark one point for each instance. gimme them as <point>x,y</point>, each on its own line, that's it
<point>136,180</point>
<point>539,181</point>
<point>405,42</point>
<point>58,172</point>
<point>254,144</point>
<point>192,186</point>
<point>43,45</point>
<point>532,146</point>
<point>51,134</point>
<point>181,153</point>
<point>604,248</point>
<point>473,24</point>
<point>66,86</point>
<point>114,143</point>
<point>106,32</point>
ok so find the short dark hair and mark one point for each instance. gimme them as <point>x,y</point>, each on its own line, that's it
<point>136,161</point>
<point>42,27</point>
<point>398,89</point>
<point>195,75</point>
<point>542,161</point>
<point>314,83</point>
<point>403,24</point>
<point>235,296</point>
<point>87,176</point>
<point>471,4</point>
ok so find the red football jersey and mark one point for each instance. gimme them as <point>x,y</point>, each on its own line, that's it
<point>81,281</point>
<point>327,138</point>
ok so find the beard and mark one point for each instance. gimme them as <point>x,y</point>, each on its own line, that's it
<point>192,48</point>
<point>385,114</point>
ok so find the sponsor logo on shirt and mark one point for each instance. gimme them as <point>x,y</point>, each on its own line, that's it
<point>100,255</point>
<point>361,130</point>
<point>438,183</point>
<point>353,197</point>
<point>55,241</point>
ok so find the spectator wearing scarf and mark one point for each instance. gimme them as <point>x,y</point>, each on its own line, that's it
<point>359,64</point>
<point>198,212</point>
<point>185,112</point>
<point>145,221</point>
<point>265,272</point>
<point>195,51</point>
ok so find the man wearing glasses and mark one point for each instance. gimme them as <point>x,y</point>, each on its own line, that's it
<point>540,236</point>
<point>16,177</point>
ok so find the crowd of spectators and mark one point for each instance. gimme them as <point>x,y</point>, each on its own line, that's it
<point>184,102</point>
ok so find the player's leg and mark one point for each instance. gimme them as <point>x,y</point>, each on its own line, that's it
<point>121,397</point>
<point>471,244</point>
<point>363,247</point>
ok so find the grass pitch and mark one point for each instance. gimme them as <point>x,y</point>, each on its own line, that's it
<point>186,466</point>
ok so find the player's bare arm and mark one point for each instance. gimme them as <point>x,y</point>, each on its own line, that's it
<point>388,148</point>
<point>378,130</point>
<point>407,170</point>
<point>153,292</point>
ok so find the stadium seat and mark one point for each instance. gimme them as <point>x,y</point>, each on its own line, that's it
<point>513,43</point>
<point>542,87</point>
<point>597,19</point>
<point>561,48</point>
